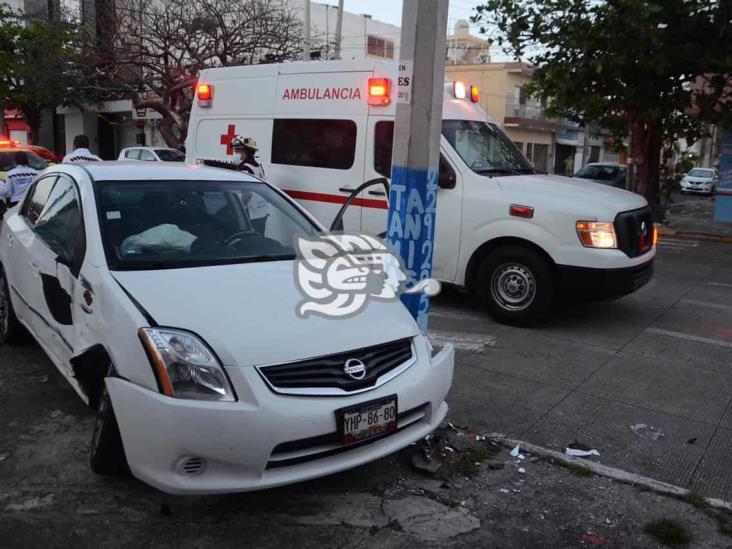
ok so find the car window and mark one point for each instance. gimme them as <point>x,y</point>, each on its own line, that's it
<point>697,172</point>
<point>37,198</point>
<point>35,161</point>
<point>172,224</point>
<point>314,143</point>
<point>7,161</point>
<point>170,155</point>
<point>133,154</point>
<point>601,173</point>
<point>59,224</point>
<point>146,155</point>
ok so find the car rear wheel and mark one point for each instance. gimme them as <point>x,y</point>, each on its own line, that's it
<point>11,330</point>
<point>107,455</point>
<point>516,285</point>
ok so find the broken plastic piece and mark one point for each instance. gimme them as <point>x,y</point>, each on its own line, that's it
<point>515,452</point>
<point>522,470</point>
<point>647,431</point>
<point>577,449</point>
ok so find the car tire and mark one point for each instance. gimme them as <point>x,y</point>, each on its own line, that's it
<point>12,331</point>
<point>107,454</point>
<point>516,285</point>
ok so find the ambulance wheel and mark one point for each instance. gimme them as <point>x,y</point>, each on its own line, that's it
<point>516,285</point>
<point>107,455</point>
<point>11,330</point>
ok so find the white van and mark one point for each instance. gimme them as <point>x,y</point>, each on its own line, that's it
<point>521,240</point>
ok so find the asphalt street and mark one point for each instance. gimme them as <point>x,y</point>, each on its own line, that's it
<point>595,374</point>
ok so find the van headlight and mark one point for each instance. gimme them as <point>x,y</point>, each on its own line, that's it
<point>184,365</point>
<point>593,234</point>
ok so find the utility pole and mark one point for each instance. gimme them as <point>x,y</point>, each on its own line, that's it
<point>414,184</point>
<point>338,30</point>
<point>306,41</point>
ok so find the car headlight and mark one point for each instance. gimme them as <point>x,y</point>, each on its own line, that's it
<point>593,234</point>
<point>184,365</point>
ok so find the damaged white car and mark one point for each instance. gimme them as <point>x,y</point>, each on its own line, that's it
<point>174,316</point>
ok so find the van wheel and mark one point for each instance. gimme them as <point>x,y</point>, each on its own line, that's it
<point>11,330</point>
<point>107,455</point>
<point>516,285</point>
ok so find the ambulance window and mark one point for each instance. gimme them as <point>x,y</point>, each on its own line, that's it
<point>315,143</point>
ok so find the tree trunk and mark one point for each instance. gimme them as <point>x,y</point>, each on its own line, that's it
<point>166,131</point>
<point>646,146</point>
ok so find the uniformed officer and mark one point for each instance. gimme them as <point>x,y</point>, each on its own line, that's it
<point>81,152</point>
<point>18,179</point>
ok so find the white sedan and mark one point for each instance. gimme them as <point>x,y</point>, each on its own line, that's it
<point>152,154</point>
<point>700,180</point>
<point>175,319</point>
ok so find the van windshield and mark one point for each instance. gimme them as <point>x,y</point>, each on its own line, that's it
<point>485,148</point>
<point>174,224</point>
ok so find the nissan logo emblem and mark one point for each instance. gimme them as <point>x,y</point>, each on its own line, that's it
<point>355,368</point>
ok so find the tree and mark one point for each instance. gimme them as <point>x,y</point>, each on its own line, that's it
<point>10,28</point>
<point>638,67</point>
<point>158,49</point>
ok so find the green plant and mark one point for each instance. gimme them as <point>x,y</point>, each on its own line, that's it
<point>668,532</point>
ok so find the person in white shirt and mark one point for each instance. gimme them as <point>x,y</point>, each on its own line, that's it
<point>18,179</point>
<point>81,152</point>
<point>257,206</point>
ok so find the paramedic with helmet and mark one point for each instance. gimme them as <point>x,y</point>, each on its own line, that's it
<point>257,206</point>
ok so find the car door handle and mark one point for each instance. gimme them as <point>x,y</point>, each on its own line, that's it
<point>346,190</point>
<point>377,193</point>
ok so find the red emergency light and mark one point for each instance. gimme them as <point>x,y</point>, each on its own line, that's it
<point>379,92</point>
<point>474,94</point>
<point>9,143</point>
<point>205,95</point>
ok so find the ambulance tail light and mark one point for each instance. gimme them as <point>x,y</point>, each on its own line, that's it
<point>379,92</point>
<point>458,89</point>
<point>9,143</point>
<point>204,92</point>
<point>474,94</point>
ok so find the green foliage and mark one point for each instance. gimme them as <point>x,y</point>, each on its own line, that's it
<point>668,532</point>
<point>41,65</point>
<point>609,61</point>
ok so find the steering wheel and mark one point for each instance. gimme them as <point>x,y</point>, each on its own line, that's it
<point>248,233</point>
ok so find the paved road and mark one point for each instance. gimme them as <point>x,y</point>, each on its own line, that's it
<point>660,357</point>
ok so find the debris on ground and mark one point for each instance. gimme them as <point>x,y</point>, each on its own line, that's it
<point>4,456</point>
<point>647,431</point>
<point>38,379</point>
<point>454,451</point>
<point>516,451</point>
<point>577,449</point>
<point>597,541</point>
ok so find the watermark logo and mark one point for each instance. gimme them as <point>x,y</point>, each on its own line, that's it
<point>338,274</point>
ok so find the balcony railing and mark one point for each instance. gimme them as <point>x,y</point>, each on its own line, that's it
<point>531,110</point>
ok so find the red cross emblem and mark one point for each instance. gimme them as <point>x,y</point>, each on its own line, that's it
<point>227,137</point>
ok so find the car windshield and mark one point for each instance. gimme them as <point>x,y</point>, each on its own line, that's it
<point>7,161</point>
<point>173,224</point>
<point>485,148</point>
<point>601,173</point>
<point>698,172</point>
<point>170,155</point>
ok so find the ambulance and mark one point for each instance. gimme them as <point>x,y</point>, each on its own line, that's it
<point>522,241</point>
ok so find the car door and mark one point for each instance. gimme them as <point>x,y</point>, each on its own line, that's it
<point>56,256</point>
<point>20,239</point>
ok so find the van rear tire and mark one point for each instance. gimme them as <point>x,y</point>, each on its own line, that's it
<point>516,285</point>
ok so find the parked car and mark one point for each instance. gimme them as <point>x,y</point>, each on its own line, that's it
<point>151,293</point>
<point>49,156</point>
<point>606,173</point>
<point>700,180</point>
<point>522,241</point>
<point>154,154</point>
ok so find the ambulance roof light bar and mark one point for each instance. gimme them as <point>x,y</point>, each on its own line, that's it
<point>204,92</point>
<point>474,94</point>
<point>379,92</point>
<point>458,89</point>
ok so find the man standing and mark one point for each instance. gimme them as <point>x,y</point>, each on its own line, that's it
<point>18,179</point>
<point>257,206</point>
<point>81,152</point>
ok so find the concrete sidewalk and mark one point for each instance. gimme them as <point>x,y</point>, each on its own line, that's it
<point>661,357</point>
<point>692,216</point>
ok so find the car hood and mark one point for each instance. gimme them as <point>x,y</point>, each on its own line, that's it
<point>691,179</point>
<point>247,313</point>
<point>580,196</point>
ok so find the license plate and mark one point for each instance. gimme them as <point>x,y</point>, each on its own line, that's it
<point>367,420</point>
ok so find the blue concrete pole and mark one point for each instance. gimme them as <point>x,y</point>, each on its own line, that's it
<point>413,196</point>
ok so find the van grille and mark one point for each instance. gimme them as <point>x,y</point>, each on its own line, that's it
<point>629,227</point>
<point>326,375</point>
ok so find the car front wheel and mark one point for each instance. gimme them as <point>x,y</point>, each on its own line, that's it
<point>11,330</point>
<point>516,285</point>
<point>107,455</point>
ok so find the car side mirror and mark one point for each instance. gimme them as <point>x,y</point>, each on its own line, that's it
<point>446,180</point>
<point>337,224</point>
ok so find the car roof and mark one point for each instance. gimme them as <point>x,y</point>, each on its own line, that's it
<point>131,170</point>
<point>146,148</point>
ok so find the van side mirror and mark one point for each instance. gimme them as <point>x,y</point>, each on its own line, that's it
<point>446,179</point>
<point>337,224</point>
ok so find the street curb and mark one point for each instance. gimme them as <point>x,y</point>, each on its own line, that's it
<point>688,235</point>
<point>606,471</point>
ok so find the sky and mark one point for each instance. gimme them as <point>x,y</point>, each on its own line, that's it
<point>390,11</point>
